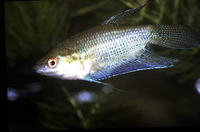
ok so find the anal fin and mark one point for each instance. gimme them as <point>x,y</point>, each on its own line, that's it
<point>145,60</point>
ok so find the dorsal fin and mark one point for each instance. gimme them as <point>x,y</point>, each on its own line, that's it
<point>116,19</point>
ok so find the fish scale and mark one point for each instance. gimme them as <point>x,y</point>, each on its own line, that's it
<point>118,41</point>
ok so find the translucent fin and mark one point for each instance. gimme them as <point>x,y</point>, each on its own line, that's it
<point>144,61</point>
<point>174,36</point>
<point>121,16</point>
<point>89,79</point>
<point>107,87</point>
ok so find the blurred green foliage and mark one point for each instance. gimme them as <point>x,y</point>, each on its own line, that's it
<point>32,28</point>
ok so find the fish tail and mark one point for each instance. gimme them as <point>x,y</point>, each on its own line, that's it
<point>174,36</point>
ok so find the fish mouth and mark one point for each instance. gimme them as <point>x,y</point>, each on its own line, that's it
<point>51,74</point>
<point>43,70</point>
<point>46,71</point>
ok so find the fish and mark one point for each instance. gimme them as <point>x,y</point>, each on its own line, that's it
<point>113,48</point>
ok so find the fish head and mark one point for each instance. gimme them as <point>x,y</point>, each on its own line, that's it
<point>63,66</point>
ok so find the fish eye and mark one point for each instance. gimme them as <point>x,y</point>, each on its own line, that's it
<point>52,62</point>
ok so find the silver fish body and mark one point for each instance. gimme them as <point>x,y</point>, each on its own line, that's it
<point>110,42</point>
<point>113,49</point>
<point>108,45</point>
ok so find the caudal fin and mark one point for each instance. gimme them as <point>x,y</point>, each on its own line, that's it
<point>174,36</point>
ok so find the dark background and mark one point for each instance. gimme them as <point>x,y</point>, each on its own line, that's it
<point>153,98</point>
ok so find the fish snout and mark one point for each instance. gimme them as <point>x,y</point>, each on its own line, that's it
<point>39,69</point>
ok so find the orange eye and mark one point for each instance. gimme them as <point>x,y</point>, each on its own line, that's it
<point>53,62</point>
